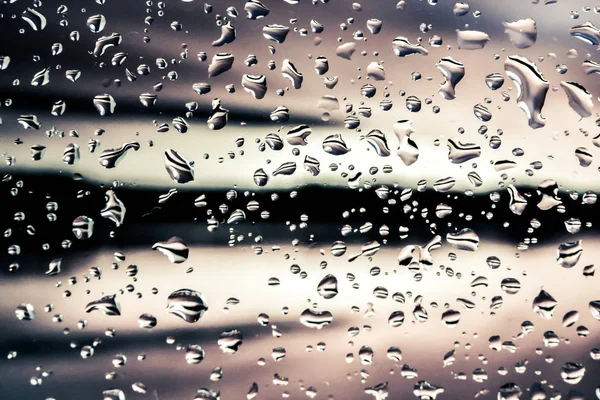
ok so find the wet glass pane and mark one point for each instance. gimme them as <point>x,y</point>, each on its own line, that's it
<point>299,198</point>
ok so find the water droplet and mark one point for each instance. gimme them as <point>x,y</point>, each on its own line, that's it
<point>466,239</point>
<point>494,81</point>
<point>402,47</point>
<point>459,152</point>
<point>544,304</point>
<point>178,168</point>
<point>104,42</point>
<point>315,319</point>
<point>289,71</point>
<point>207,394</point>
<point>29,122</point>
<point>96,23</point>
<point>218,116</point>
<point>276,33</point>
<point>221,62</point>
<point>572,373</point>
<point>580,100</point>
<point>444,184</point>
<point>595,309</point>
<point>427,391</point>
<point>395,320</point>
<point>107,305</point>
<point>335,145</point>
<point>110,158</point>
<point>175,249</point>
<point>453,71</point>
<point>228,35</point>
<point>531,88</point>
<point>471,40</point>
<point>255,10</point>
<point>253,391</point>
<point>346,50</point>
<point>229,342</point>
<point>187,304</point>
<point>25,312</point>
<point>338,249</point>
<point>482,112</point>
<point>451,318</point>
<point>586,32</point>
<point>147,321</point>
<point>297,135</point>
<point>83,227</point>
<point>34,18</point>
<point>570,318</point>
<point>509,391</point>
<point>522,33</point>
<point>194,354</point>
<point>255,85</point>
<point>328,287</point>
<point>105,104</point>
<point>376,139</point>
<point>510,285</point>
<point>569,253</point>
<point>113,394</point>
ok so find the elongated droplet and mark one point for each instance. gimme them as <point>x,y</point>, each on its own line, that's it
<point>402,47</point>
<point>580,100</point>
<point>104,42</point>
<point>587,32</point>
<point>110,158</point>
<point>459,152</point>
<point>453,71</point>
<point>114,209</point>
<point>289,71</point>
<point>71,154</point>
<point>531,88</point>
<point>34,18</point>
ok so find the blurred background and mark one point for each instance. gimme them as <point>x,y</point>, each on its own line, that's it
<point>265,249</point>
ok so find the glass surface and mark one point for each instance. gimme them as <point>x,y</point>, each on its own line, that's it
<point>299,198</point>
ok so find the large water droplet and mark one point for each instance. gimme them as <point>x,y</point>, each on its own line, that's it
<point>187,304</point>
<point>531,88</point>
<point>315,319</point>
<point>175,249</point>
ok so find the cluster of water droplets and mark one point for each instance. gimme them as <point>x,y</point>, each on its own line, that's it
<point>330,143</point>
